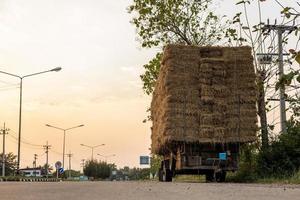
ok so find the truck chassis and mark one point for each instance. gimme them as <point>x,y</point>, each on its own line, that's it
<point>211,160</point>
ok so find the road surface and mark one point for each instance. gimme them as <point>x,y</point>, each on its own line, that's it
<point>144,191</point>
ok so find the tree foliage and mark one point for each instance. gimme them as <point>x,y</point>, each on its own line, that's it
<point>159,22</point>
<point>283,156</point>
<point>281,159</point>
<point>155,164</point>
<point>65,175</point>
<point>133,173</point>
<point>174,21</point>
<point>151,74</point>
<point>97,169</point>
<point>10,163</point>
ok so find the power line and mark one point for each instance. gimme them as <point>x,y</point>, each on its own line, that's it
<point>25,141</point>
<point>28,143</point>
<point>15,140</point>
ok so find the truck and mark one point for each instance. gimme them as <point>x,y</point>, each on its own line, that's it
<point>203,110</point>
<point>213,161</point>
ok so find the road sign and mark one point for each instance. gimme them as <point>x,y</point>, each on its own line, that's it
<point>61,170</point>
<point>144,160</point>
<point>58,165</point>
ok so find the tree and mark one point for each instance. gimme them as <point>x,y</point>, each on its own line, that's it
<point>174,21</point>
<point>138,173</point>
<point>162,22</point>
<point>264,41</point>
<point>97,169</point>
<point>65,175</point>
<point>10,163</point>
<point>155,164</point>
<point>151,74</point>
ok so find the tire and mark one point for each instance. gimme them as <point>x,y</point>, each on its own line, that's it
<point>220,176</point>
<point>209,177</point>
<point>164,173</point>
<point>160,175</point>
<point>168,175</point>
<point>173,167</point>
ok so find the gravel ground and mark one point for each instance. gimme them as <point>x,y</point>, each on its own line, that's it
<point>145,191</point>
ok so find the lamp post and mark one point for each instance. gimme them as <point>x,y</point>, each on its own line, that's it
<point>106,156</point>
<point>92,147</point>
<point>64,141</point>
<point>20,108</point>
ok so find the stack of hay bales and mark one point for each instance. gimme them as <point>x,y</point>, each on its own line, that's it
<point>204,95</point>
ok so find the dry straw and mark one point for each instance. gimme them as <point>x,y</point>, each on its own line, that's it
<point>204,95</point>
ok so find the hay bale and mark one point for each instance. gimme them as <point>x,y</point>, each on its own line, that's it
<point>204,94</point>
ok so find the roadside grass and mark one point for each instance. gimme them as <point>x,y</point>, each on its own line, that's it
<point>10,178</point>
<point>241,178</point>
<point>189,178</point>
<point>295,179</point>
<point>252,178</point>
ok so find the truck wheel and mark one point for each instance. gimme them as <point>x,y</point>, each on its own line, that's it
<point>168,175</point>
<point>223,177</point>
<point>160,175</point>
<point>220,176</point>
<point>209,177</point>
<point>173,167</point>
<point>164,173</point>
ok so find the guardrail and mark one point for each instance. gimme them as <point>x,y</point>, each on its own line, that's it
<point>28,179</point>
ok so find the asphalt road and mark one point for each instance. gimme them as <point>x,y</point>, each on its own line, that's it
<point>144,191</point>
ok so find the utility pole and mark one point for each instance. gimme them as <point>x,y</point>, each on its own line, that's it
<point>34,163</point>
<point>4,132</point>
<point>280,30</point>
<point>82,164</point>
<point>69,155</point>
<point>34,160</point>
<point>47,147</point>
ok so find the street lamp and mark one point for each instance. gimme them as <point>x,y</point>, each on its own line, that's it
<point>64,143</point>
<point>92,147</point>
<point>106,156</point>
<point>56,69</point>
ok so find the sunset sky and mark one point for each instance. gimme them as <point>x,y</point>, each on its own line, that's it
<point>99,85</point>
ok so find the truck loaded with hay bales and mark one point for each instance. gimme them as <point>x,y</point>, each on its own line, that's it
<point>203,109</point>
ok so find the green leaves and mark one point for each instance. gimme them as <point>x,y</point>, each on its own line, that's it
<point>151,74</point>
<point>160,22</point>
<point>298,78</point>
<point>237,18</point>
<point>175,21</point>
<point>286,12</point>
<point>286,79</point>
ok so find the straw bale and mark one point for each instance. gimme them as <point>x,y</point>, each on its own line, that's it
<point>204,94</point>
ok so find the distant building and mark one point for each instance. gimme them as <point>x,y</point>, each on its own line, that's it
<point>36,172</point>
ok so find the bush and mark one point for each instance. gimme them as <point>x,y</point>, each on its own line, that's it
<point>247,165</point>
<point>282,158</point>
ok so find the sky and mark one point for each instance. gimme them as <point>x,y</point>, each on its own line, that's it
<point>98,86</point>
